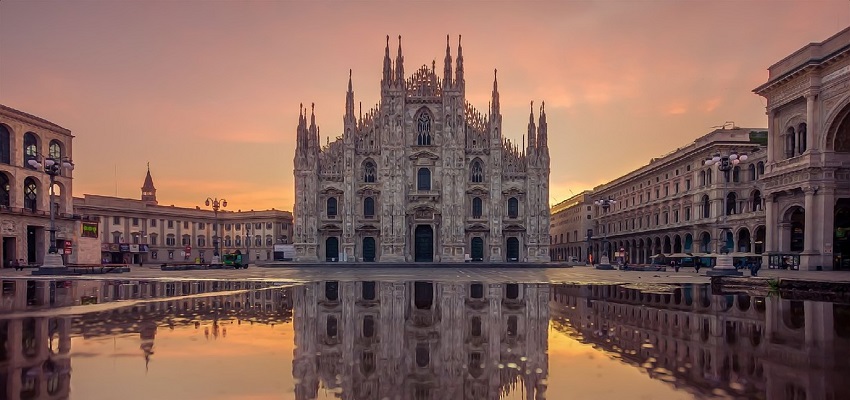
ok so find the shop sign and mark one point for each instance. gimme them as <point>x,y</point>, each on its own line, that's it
<point>124,248</point>
<point>89,230</point>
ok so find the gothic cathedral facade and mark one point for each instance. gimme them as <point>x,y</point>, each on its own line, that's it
<point>422,177</point>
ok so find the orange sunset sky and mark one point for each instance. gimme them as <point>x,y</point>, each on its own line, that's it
<point>208,91</point>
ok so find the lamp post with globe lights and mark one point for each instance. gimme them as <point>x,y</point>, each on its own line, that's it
<point>216,204</point>
<point>726,163</point>
<point>53,167</point>
<point>604,261</point>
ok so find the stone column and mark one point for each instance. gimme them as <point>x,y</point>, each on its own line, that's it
<point>811,128</point>
<point>808,257</point>
<point>773,136</point>
<point>824,233</point>
<point>770,229</point>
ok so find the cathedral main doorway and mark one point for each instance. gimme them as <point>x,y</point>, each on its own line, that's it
<point>332,249</point>
<point>513,249</point>
<point>477,249</point>
<point>424,244</point>
<point>369,249</point>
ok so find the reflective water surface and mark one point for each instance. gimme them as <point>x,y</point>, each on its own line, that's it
<point>111,339</point>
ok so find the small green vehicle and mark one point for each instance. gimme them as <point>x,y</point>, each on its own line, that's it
<point>233,260</point>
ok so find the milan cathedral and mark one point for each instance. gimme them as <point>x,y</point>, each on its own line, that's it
<point>422,177</point>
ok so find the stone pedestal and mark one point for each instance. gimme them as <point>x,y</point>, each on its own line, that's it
<point>52,265</point>
<point>724,266</point>
<point>604,263</point>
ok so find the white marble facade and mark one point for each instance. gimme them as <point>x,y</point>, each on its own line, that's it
<point>422,176</point>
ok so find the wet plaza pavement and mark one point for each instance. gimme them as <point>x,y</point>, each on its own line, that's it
<point>407,334</point>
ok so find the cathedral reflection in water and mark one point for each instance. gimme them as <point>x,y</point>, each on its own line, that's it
<point>452,340</point>
<point>421,340</point>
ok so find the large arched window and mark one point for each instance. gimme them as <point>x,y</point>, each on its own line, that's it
<point>228,241</point>
<point>368,207</point>
<point>513,207</point>
<point>760,168</point>
<point>731,203</point>
<point>706,207</point>
<point>30,194</point>
<point>736,174</point>
<point>369,171</point>
<point>5,145</point>
<point>331,207</point>
<point>202,240</point>
<point>752,170</point>
<point>238,241</point>
<point>5,191</point>
<point>423,179</point>
<point>30,148</point>
<point>54,150</point>
<point>702,181</point>
<point>756,201</point>
<point>477,207</point>
<point>423,128</point>
<point>790,142</point>
<point>476,173</point>
<point>708,178</point>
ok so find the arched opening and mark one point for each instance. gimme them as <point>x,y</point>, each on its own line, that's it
<point>756,201</point>
<point>423,128</point>
<point>30,194</point>
<point>423,295</point>
<point>667,246</point>
<point>423,179</point>
<point>702,181</point>
<point>841,234</point>
<point>705,243</point>
<point>752,172</point>
<point>369,207</point>
<point>758,243</point>
<point>370,172</point>
<point>54,149</point>
<point>731,203</point>
<point>5,190</point>
<point>513,207</point>
<point>332,249</point>
<point>369,249</point>
<point>790,142</point>
<point>796,217</point>
<point>5,145</point>
<point>744,240</point>
<point>706,207</point>
<point>424,243</point>
<point>512,250</point>
<point>794,316</point>
<point>477,249</point>
<point>477,207</point>
<point>30,148</point>
<point>677,244</point>
<point>736,174</point>
<point>689,243</point>
<point>476,173</point>
<point>331,207</point>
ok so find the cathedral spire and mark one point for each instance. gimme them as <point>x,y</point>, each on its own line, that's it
<point>399,65</point>
<point>349,100</point>
<point>459,72</point>
<point>447,71</point>
<point>388,75</point>
<point>542,134</point>
<point>148,189</point>
<point>314,132</point>
<point>495,110</point>
<point>532,142</point>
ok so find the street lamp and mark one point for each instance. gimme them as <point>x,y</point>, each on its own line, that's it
<point>53,167</point>
<point>604,261</point>
<point>725,164</point>
<point>247,244</point>
<point>216,204</point>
